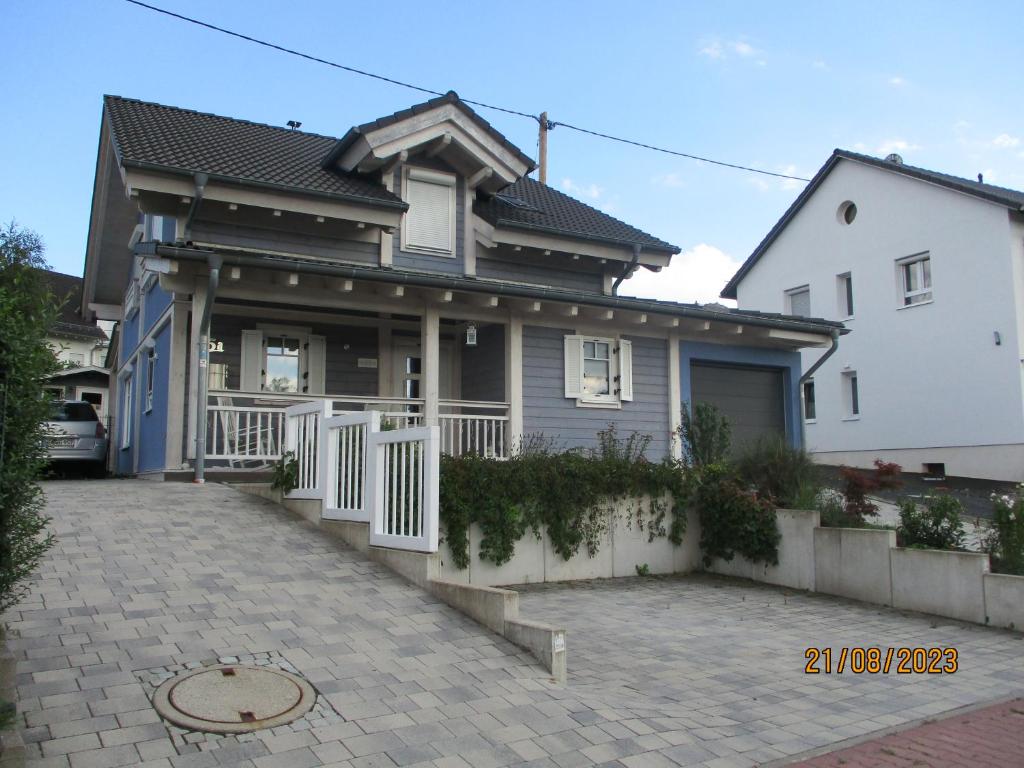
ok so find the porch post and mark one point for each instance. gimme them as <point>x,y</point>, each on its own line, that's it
<point>675,397</point>
<point>514,381</point>
<point>176,385</point>
<point>198,304</point>
<point>430,344</point>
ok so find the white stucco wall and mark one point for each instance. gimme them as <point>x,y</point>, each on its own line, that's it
<point>66,349</point>
<point>929,375</point>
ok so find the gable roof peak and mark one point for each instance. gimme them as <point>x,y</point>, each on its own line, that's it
<point>1010,198</point>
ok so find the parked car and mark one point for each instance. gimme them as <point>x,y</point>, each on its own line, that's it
<point>75,433</point>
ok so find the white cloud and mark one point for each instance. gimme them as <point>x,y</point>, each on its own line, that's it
<point>768,183</point>
<point>743,49</point>
<point>592,191</point>
<point>671,180</point>
<point>897,81</point>
<point>889,146</point>
<point>698,274</point>
<point>1005,141</point>
<point>820,65</point>
<point>716,48</point>
<point>712,49</point>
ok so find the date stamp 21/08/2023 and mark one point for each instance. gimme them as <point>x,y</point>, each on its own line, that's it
<point>874,661</point>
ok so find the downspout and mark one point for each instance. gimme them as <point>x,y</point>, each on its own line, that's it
<point>628,269</point>
<point>810,372</point>
<point>201,180</point>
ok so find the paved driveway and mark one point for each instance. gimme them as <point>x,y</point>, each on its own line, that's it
<point>149,578</point>
<point>724,660</point>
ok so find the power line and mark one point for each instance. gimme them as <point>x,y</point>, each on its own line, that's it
<point>421,89</point>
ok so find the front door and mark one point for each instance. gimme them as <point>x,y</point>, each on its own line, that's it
<point>407,371</point>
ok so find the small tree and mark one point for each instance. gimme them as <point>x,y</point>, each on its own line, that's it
<point>27,311</point>
<point>705,434</point>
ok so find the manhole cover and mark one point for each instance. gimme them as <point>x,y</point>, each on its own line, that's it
<point>229,698</point>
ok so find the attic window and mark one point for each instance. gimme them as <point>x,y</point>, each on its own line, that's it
<point>847,212</point>
<point>429,224</point>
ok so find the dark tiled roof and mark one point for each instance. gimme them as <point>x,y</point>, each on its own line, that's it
<point>1011,198</point>
<point>153,135</point>
<point>68,288</point>
<point>449,98</point>
<point>545,209</point>
<point>187,141</point>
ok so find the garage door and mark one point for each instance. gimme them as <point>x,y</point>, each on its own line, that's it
<point>751,398</point>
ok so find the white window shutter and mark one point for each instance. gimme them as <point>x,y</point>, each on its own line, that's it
<point>251,379</point>
<point>316,365</point>
<point>429,218</point>
<point>625,370</point>
<point>574,366</point>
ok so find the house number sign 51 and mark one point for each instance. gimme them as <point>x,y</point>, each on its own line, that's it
<point>215,346</point>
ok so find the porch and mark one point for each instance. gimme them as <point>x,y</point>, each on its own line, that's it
<point>415,370</point>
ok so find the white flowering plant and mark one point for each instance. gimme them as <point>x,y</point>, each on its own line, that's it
<point>1005,540</point>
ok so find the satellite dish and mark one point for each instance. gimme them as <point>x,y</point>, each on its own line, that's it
<point>894,159</point>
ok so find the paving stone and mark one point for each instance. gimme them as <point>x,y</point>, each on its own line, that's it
<point>149,579</point>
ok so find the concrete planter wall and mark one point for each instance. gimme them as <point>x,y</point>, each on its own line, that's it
<point>944,583</point>
<point>624,546</point>
<point>796,566</point>
<point>1004,600</point>
<point>854,563</point>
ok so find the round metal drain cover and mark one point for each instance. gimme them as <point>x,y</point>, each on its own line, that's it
<point>228,698</point>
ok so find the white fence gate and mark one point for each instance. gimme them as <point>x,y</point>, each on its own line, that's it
<point>344,465</point>
<point>403,485</point>
<point>387,479</point>
<point>303,425</point>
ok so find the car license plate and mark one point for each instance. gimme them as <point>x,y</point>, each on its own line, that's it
<point>61,442</point>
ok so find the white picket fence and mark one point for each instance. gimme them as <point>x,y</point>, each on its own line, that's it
<point>388,479</point>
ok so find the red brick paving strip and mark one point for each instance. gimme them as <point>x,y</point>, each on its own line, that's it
<point>992,737</point>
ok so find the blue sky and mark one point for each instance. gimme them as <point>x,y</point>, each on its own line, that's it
<point>775,85</point>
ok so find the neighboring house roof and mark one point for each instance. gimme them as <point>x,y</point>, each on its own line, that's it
<point>528,204</point>
<point>154,136</point>
<point>449,98</point>
<point>510,290</point>
<point>68,289</point>
<point>1012,199</point>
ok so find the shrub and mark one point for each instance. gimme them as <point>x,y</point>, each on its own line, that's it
<point>705,434</point>
<point>27,311</point>
<point>1005,540</point>
<point>284,476</point>
<point>780,472</point>
<point>934,525</point>
<point>568,493</point>
<point>857,484</point>
<point>733,520</point>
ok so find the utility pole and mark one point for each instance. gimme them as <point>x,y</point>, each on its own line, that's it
<point>543,142</point>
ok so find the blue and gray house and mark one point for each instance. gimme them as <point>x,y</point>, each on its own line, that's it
<point>413,267</point>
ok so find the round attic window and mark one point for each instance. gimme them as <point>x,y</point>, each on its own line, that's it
<point>847,212</point>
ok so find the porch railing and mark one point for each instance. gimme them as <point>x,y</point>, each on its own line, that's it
<point>248,429</point>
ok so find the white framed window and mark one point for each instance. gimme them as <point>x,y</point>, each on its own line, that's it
<point>851,395</point>
<point>598,370</point>
<point>131,299</point>
<point>798,301</point>
<point>283,359</point>
<point>429,224</point>
<point>76,358</point>
<point>810,406</point>
<point>150,376</point>
<point>127,387</point>
<point>915,279</point>
<point>844,295</point>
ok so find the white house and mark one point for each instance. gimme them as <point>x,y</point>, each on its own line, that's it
<point>81,345</point>
<point>927,272</point>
